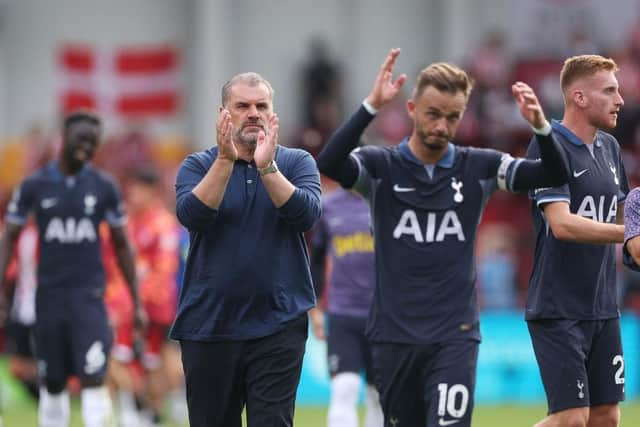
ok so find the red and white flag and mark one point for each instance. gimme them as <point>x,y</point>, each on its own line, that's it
<point>128,82</point>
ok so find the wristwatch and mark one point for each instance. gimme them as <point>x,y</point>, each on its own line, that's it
<point>270,168</point>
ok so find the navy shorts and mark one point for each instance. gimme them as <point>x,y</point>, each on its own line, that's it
<point>580,361</point>
<point>348,350</point>
<point>263,374</point>
<point>426,385</point>
<point>72,335</point>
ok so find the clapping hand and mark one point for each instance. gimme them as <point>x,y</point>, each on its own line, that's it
<point>266,144</point>
<point>224,132</point>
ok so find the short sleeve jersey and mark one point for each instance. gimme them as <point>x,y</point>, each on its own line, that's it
<point>575,280</point>
<point>424,224</point>
<point>68,211</point>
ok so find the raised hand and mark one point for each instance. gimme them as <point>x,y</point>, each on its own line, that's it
<point>529,105</point>
<point>224,132</point>
<point>266,144</point>
<point>384,88</point>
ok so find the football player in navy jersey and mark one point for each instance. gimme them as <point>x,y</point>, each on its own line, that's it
<point>571,310</point>
<point>427,196</point>
<point>69,199</point>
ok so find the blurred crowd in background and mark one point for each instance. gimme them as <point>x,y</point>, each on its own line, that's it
<point>505,241</point>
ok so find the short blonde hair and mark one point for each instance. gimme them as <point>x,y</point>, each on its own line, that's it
<point>445,77</point>
<point>581,66</point>
<point>251,79</point>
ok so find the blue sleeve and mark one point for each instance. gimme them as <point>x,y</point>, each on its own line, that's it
<point>21,203</point>
<point>114,211</point>
<point>303,208</point>
<point>318,251</point>
<point>191,211</point>
<point>546,194</point>
<point>334,160</point>
<point>549,169</point>
<point>367,159</point>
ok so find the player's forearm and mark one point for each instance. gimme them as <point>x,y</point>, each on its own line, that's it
<point>575,228</point>
<point>278,188</point>
<point>549,171</point>
<point>318,271</point>
<point>334,159</point>
<point>210,190</point>
<point>7,243</point>
<point>302,207</point>
<point>633,247</point>
<point>126,262</point>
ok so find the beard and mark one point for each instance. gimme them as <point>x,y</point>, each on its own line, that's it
<point>248,139</point>
<point>433,142</point>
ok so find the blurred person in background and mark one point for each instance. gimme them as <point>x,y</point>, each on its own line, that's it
<point>69,199</point>
<point>342,241</point>
<point>22,283</point>
<point>242,313</point>
<point>314,135</point>
<point>427,197</point>
<point>321,80</point>
<point>154,234</point>
<point>497,267</point>
<point>572,310</point>
<point>631,246</point>
<point>125,376</point>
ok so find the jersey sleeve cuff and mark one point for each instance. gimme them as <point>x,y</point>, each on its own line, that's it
<point>370,108</point>
<point>16,219</point>
<point>544,130</point>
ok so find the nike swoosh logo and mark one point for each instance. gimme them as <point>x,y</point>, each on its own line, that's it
<point>444,422</point>
<point>48,203</point>
<point>577,174</point>
<point>399,189</point>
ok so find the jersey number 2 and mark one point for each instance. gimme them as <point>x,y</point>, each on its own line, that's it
<point>619,375</point>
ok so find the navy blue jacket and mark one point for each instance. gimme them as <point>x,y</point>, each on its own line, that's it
<point>247,272</point>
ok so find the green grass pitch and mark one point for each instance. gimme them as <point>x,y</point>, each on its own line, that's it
<point>484,416</point>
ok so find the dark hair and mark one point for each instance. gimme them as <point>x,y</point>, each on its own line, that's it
<point>445,77</point>
<point>147,175</point>
<point>80,116</point>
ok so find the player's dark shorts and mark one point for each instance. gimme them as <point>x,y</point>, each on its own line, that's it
<point>263,373</point>
<point>72,334</point>
<point>580,361</point>
<point>348,350</point>
<point>19,339</point>
<point>426,385</point>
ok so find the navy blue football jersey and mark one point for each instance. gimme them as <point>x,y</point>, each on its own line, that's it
<point>425,220</point>
<point>68,211</point>
<point>576,280</point>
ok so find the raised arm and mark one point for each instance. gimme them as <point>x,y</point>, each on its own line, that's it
<point>279,188</point>
<point>210,190</point>
<point>334,160</point>
<point>551,169</point>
